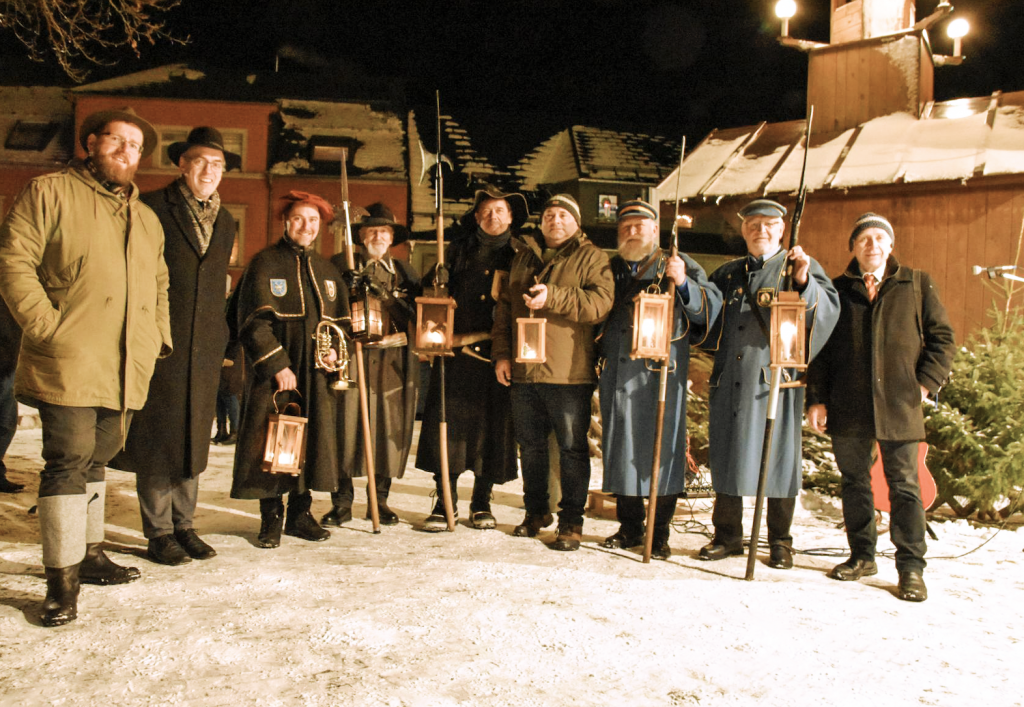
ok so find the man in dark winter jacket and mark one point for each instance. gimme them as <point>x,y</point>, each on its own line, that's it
<point>169,443</point>
<point>892,348</point>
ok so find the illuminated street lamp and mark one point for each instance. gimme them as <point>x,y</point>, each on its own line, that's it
<point>957,30</point>
<point>784,10</point>
<point>285,451</point>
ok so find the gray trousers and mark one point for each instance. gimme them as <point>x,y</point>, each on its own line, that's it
<point>167,505</point>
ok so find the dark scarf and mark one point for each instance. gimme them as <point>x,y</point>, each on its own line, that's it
<point>203,214</point>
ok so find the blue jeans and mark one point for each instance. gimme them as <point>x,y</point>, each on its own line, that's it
<point>537,409</point>
<point>906,520</point>
<point>8,414</point>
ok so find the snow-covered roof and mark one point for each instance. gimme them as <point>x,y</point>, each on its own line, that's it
<point>38,106</point>
<point>955,140</point>
<point>582,152</point>
<point>378,135</point>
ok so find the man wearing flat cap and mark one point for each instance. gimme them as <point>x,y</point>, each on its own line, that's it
<point>479,409</point>
<point>391,368</point>
<point>169,443</point>
<point>629,388</point>
<point>564,278</point>
<point>285,292</point>
<point>740,379</point>
<point>892,348</point>
<point>82,270</point>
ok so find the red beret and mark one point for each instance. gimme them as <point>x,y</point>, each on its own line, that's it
<point>293,198</point>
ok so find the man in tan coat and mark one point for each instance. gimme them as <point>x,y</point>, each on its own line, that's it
<point>82,270</point>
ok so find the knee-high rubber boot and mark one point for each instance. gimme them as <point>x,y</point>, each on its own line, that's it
<point>97,568</point>
<point>62,527</point>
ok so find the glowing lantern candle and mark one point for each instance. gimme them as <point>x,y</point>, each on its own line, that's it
<point>435,325</point>
<point>531,337</point>
<point>285,450</point>
<point>652,326</point>
<point>788,347</point>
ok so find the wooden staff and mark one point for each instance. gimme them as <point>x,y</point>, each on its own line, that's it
<point>659,417</point>
<point>364,404</point>
<point>776,382</point>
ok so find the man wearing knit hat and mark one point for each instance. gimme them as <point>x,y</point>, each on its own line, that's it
<point>892,348</point>
<point>739,384</point>
<point>567,280</point>
<point>629,388</point>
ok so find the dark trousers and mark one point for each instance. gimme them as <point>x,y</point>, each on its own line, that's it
<point>632,515</point>
<point>346,493</point>
<point>481,499</point>
<point>728,520</point>
<point>167,505</point>
<point>907,522</point>
<point>537,409</point>
<point>227,412</point>
<point>8,413</point>
<point>77,444</point>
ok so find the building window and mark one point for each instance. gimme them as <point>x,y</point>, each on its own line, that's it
<point>31,135</point>
<point>238,249</point>
<point>234,141</point>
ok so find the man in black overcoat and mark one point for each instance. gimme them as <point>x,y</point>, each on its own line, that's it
<point>892,348</point>
<point>479,409</point>
<point>169,441</point>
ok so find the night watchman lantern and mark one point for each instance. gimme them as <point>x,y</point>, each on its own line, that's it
<point>531,336</point>
<point>367,316</point>
<point>652,326</point>
<point>435,325</point>
<point>788,348</point>
<point>286,441</point>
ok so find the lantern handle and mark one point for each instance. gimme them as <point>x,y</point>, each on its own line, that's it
<point>277,410</point>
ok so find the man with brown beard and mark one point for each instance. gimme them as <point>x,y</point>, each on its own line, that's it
<point>82,270</point>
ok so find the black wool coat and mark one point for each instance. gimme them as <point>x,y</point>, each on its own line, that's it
<point>170,436</point>
<point>869,373</point>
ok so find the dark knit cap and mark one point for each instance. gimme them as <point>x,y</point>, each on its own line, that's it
<point>566,202</point>
<point>870,220</point>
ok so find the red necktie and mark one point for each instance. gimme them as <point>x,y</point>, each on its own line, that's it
<point>869,282</point>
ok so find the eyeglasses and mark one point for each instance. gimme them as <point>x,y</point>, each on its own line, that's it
<point>121,142</point>
<point>202,163</point>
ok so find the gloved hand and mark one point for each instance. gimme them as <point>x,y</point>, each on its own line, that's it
<point>441,275</point>
<point>352,279</point>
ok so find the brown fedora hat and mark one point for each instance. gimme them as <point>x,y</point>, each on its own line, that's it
<point>380,215</point>
<point>95,122</point>
<point>516,202</point>
<point>204,136</point>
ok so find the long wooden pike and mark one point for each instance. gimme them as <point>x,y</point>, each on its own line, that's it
<point>775,387</point>
<point>364,404</point>
<point>659,418</point>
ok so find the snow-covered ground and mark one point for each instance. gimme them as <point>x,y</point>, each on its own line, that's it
<point>410,619</point>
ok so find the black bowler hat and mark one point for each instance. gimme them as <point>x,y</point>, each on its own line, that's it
<point>204,137</point>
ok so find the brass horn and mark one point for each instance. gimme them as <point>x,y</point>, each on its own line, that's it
<point>326,333</point>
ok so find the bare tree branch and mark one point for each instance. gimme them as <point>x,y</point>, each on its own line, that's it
<point>82,32</point>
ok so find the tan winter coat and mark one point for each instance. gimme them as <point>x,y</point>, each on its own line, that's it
<point>581,292</point>
<point>82,294</point>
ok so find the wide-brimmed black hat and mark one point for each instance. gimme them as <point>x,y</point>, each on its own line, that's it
<point>380,215</point>
<point>95,122</point>
<point>204,137</point>
<point>516,202</point>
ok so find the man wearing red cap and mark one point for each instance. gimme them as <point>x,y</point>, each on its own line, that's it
<point>82,270</point>
<point>284,293</point>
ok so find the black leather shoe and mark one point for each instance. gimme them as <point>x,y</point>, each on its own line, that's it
<point>623,539</point>
<point>532,525</point>
<point>97,568</point>
<point>483,520</point>
<point>714,551</point>
<point>781,557</point>
<point>230,440</point>
<point>912,586</point>
<point>61,603</point>
<point>852,570</point>
<point>192,544</point>
<point>303,525</point>
<point>9,486</point>
<point>385,514</point>
<point>661,552</point>
<point>335,517</point>
<point>271,523</point>
<point>165,550</point>
<point>569,537</point>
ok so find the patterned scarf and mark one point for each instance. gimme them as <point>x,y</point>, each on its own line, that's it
<point>203,214</point>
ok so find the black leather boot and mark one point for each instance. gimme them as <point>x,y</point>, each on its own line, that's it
<point>7,486</point>
<point>301,523</point>
<point>97,568</point>
<point>61,603</point>
<point>271,522</point>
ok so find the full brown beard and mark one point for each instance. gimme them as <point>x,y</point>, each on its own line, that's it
<point>110,170</point>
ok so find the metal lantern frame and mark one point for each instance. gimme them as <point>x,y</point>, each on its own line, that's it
<point>531,339</point>
<point>285,450</point>
<point>435,318</point>
<point>788,331</point>
<point>368,317</point>
<point>652,325</point>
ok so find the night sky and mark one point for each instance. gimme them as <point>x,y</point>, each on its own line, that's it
<point>516,72</point>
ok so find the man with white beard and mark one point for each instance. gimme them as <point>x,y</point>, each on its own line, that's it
<point>82,270</point>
